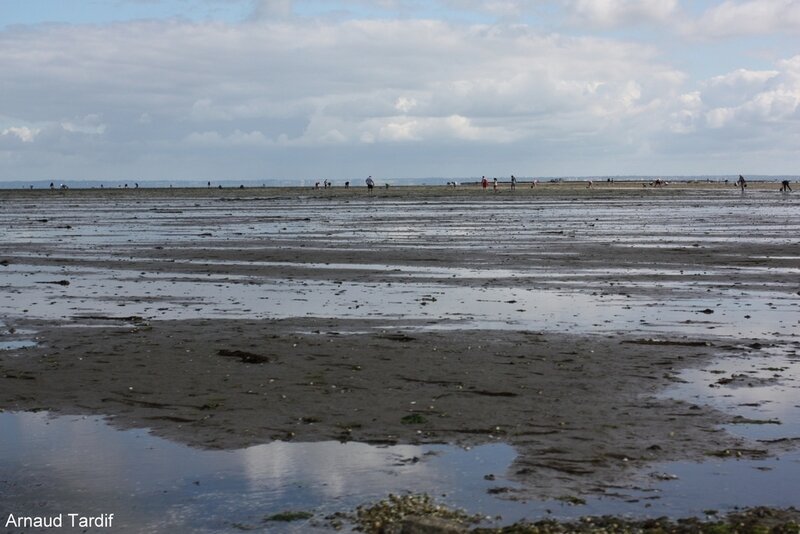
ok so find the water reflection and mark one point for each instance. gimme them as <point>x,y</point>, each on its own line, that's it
<point>17,344</point>
<point>51,465</point>
<point>91,243</point>
<point>54,465</point>
<point>184,296</point>
<point>760,386</point>
<point>80,464</point>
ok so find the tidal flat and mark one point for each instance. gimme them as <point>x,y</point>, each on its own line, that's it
<point>203,360</point>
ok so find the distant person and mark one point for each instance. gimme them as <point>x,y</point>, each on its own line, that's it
<point>136,185</point>
<point>484,182</point>
<point>52,185</point>
<point>534,182</point>
<point>347,184</point>
<point>742,183</point>
<point>316,185</point>
<point>209,185</point>
<point>589,184</point>
<point>494,184</point>
<point>513,182</point>
<point>785,186</point>
<point>370,183</point>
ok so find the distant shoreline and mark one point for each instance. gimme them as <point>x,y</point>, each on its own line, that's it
<point>523,190</point>
<point>38,184</point>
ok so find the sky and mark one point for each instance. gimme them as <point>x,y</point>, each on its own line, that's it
<point>341,89</point>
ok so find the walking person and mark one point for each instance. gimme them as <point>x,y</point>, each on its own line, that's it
<point>513,182</point>
<point>785,186</point>
<point>484,182</point>
<point>370,184</point>
<point>494,185</point>
<point>742,183</point>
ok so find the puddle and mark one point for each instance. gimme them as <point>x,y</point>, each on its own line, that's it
<point>150,484</point>
<point>20,344</point>
<point>761,385</point>
<point>15,343</point>
<point>80,464</point>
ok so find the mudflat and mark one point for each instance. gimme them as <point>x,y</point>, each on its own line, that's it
<point>552,317</point>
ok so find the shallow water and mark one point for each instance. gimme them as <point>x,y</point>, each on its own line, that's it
<point>81,464</point>
<point>75,463</point>
<point>81,224</point>
<point>763,387</point>
<point>18,344</point>
<point>154,296</point>
<point>106,236</point>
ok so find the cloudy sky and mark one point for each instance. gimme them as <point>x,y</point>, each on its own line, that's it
<point>307,89</point>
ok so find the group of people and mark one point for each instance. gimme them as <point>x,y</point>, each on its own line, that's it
<point>742,183</point>
<point>495,183</point>
<point>658,182</point>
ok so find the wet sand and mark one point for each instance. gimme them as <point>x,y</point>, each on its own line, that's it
<point>701,271</point>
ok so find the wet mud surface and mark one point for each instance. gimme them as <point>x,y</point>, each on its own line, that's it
<point>551,323</point>
<point>579,409</point>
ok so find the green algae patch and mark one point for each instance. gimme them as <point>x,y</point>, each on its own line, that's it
<point>398,513</point>
<point>420,514</point>
<point>287,517</point>
<point>413,419</point>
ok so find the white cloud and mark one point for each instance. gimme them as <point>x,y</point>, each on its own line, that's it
<point>741,78</point>
<point>720,117</point>
<point>148,92</point>
<point>613,13</point>
<point>742,110</point>
<point>747,97</point>
<point>752,17</point>
<point>454,127</point>
<point>23,133</point>
<point>297,83</point>
<point>405,104</point>
<point>90,125</point>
